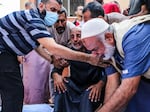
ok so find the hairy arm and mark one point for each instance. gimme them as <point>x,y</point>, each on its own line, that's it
<point>42,52</point>
<point>122,95</point>
<point>64,52</point>
<point>112,84</point>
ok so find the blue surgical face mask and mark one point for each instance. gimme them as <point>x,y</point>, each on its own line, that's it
<point>50,18</point>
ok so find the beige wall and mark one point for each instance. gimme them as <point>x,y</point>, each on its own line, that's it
<point>22,3</point>
<point>123,3</point>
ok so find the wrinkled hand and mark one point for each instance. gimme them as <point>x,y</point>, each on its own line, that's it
<point>60,62</point>
<point>95,92</point>
<point>59,83</point>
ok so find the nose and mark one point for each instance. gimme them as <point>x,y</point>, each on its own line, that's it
<point>75,38</point>
<point>60,23</point>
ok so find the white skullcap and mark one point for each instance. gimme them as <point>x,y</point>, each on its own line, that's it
<point>93,27</point>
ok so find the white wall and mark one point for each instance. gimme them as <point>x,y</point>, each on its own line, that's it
<point>8,6</point>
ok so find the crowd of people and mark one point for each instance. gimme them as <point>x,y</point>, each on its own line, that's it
<point>100,62</point>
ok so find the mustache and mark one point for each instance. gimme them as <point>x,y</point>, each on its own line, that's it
<point>60,27</point>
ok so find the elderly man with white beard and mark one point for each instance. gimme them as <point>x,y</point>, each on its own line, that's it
<point>131,38</point>
<point>84,86</point>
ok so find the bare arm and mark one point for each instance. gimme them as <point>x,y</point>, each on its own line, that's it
<point>42,52</point>
<point>112,84</point>
<point>143,11</point>
<point>64,52</point>
<point>122,95</point>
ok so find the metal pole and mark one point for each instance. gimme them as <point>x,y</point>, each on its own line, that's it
<point>68,7</point>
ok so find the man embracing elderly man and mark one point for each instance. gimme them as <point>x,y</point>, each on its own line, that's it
<point>129,43</point>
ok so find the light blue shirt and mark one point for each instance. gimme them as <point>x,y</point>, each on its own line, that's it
<point>37,108</point>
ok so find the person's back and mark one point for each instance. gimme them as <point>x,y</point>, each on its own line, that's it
<point>135,7</point>
<point>138,8</point>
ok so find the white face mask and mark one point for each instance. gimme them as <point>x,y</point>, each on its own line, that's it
<point>50,18</point>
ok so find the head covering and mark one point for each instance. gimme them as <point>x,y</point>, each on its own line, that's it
<point>111,7</point>
<point>93,27</point>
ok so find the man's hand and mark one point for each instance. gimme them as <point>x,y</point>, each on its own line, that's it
<point>59,83</point>
<point>60,62</point>
<point>104,63</point>
<point>93,59</point>
<point>95,91</point>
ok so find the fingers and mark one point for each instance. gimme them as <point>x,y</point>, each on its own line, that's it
<point>60,87</point>
<point>59,63</point>
<point>94,95</point>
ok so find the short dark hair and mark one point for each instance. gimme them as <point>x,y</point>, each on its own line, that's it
<point>95,8</point>
<point>60,2</point>
<point>62,10</point>
<point>100,1</point>
<point>45,1</point>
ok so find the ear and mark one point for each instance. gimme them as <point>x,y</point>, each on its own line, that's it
<point>41,6</point>
<point>109,38</point>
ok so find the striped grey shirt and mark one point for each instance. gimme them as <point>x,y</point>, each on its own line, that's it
<point>20,30</point>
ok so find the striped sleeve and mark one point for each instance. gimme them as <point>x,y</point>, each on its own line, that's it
<point>35,26</point>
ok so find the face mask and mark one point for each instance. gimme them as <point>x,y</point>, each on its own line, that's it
<point>50,18</point>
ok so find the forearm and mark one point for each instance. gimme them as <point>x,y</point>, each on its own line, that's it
<point>112,84</point>
<point>64,52</point>
<point>121,96</point>
<point>45,54</point>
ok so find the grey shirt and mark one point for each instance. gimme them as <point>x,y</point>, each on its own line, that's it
<point>135,6</point>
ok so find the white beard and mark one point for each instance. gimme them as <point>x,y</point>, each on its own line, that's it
<point>76,47</point>
<point>109,51</point>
